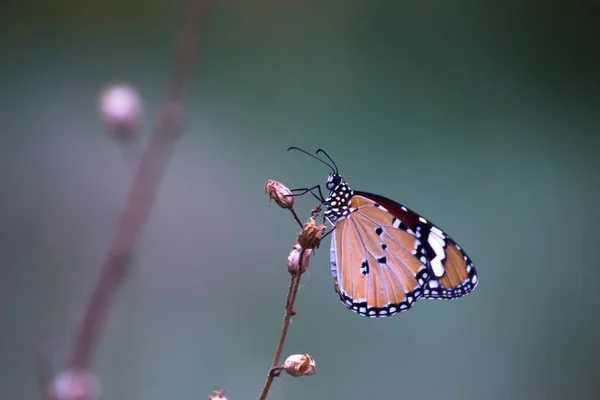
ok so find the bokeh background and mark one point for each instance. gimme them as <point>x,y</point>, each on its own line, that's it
<point>483,116</point>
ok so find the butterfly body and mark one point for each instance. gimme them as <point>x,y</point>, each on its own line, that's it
<point>384,257</point>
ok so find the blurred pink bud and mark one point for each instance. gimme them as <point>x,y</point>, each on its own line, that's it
<point>120,108</point>
<point>75,385</point>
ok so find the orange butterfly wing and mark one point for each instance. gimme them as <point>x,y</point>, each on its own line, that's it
<point>384,257</point>
<point>375,271</point>
<point>452,272</point>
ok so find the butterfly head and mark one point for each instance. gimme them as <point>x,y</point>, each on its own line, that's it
<point>334,181</point>
<point>338,200</point>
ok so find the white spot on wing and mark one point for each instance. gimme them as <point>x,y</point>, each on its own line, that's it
<point>437,231</point>
<point>437,267</point>
<point>437,244</point>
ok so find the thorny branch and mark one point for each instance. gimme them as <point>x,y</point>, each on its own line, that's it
<point>143,189</point>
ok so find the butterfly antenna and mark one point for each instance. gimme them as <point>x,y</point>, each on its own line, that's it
<point>315,157</point>
<point>330,159</point>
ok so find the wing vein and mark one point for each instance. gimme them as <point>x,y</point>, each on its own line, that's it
<point>367,250</point>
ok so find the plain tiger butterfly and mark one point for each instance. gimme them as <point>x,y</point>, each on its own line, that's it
<point>384,256</point>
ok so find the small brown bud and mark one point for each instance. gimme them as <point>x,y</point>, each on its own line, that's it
<point>280,193</point>
<point>218,395</point>
<point>297,262</point>
<point>299,365</point>
<point>311,233</point>
<point>308,239</point>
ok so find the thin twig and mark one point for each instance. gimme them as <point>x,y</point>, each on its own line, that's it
<point>289,313</point>
<point>143,190</point>
<point>296,217</point>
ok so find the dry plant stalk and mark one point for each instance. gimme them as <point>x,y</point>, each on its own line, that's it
<point>143,189</point>
<point>142,192</point>
<point>297,263</point>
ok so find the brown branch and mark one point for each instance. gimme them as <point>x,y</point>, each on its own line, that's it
<point>297,263</point>
<point>296,217</point>
<point>289,313</point>
<point>143,190</point>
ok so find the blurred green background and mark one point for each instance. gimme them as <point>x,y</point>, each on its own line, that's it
<point>482,116</point>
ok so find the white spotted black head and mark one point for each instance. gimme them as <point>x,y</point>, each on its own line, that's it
<point>334,181</point>
<point>338,200</point>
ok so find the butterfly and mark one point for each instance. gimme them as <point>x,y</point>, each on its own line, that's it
<point>384,256</point>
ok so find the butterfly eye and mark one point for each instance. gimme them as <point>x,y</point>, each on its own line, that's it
<point>333,181</point>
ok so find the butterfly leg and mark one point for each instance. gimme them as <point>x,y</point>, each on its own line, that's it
<point>327,233</point>
<point>303,191</point>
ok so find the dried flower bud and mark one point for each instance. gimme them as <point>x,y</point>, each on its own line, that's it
<point>293,262</point>
<point>75,385</point>
<point>281,194</point>
<point>120,108</point>
<point>310,236</point>
<point>299,365</point>
<point>218,395</point>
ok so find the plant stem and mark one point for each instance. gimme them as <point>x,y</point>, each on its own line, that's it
<point>289,313</point>
<point>296,217</point>
<point>142,192</point>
